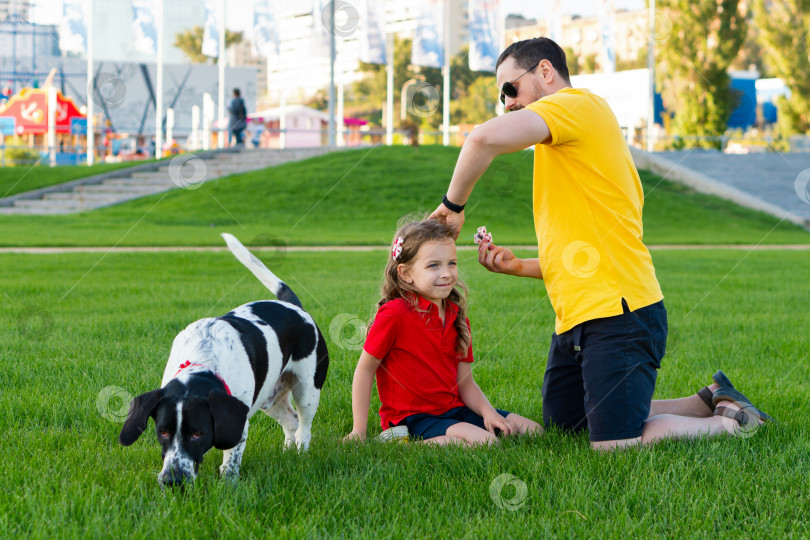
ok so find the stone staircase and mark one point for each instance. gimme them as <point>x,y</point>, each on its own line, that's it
<point>183,171</point>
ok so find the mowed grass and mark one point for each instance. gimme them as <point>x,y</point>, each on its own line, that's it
<point>355,197</point>
<point>19,179</point>
<point>75,327</point>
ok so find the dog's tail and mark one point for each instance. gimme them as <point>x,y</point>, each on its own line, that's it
<point>258,269</point>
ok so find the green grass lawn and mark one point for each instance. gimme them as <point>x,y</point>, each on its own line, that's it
<point>76,326</point>
<point>355,197</point>
<point>14,180</point>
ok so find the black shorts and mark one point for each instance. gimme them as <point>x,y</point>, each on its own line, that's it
<point>427,426</point>
<point>601,374</point>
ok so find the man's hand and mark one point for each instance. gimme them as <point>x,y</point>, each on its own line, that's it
<point>453,220</point>
<point>355,436</point>
<point>494,420</point>
<point>499,259</point>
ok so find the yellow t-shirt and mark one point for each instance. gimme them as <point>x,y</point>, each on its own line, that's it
<point>587,212</point>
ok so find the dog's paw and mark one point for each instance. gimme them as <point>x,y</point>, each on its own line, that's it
<point>230,474</point>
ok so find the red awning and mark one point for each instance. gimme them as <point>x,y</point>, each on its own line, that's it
<point>30,109</point>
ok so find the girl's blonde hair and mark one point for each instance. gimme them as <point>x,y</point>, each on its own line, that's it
<point>415,232</point>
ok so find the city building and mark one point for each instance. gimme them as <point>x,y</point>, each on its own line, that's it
<point>112,25</point>
<point>242,55</point>
<point>584,36</point>
<point>23,47</point>
<point>304,66</point>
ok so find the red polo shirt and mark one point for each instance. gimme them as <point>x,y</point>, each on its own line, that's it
<point>419,368</point>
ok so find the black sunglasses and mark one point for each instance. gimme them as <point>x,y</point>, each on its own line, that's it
<point>508,88</point>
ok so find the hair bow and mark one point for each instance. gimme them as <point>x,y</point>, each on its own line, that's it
<point>396,248</point>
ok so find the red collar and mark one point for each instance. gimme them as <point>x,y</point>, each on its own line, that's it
<point>450,309</point>
<point>188,363</point>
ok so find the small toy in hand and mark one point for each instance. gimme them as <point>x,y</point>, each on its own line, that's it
<point>482,236</point>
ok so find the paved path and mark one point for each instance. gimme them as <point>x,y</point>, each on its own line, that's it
<point>170,249</point>
<point>780,179</point>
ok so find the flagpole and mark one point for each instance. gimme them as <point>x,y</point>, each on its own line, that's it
<point>159,90</point>
<point>282,120</point>
<point>52,105</point>
<point>221,64</point>
<point>339,114</point>
<point>389,114</point>
<point>499,107</point>
<point>195,127</point>
<point>446,73</point>
<point>90,85</point>
<point>332,54</point>
<point>651,70</point>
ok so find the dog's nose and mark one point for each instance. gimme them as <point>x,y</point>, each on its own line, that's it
<point>173,478</point>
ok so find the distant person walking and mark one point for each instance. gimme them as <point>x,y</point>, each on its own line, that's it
<point>238,119</point>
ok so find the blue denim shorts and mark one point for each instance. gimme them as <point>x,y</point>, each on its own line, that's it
<point>427,426</point>
<point>601,374</point>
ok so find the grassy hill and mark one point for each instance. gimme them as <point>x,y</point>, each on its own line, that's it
<point>19,179</point>
<point>356,197</point>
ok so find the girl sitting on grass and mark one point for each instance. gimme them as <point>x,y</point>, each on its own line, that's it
<point>420,348</point>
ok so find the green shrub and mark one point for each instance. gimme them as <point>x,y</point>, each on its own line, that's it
<point>16,155</point>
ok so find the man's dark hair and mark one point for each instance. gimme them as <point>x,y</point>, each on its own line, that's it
<point>236,92</point>
<point>529,52</point>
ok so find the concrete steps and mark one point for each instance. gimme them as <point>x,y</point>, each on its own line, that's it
<point>184,170</point>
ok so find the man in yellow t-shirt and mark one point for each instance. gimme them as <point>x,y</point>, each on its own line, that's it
<point>611,327</point>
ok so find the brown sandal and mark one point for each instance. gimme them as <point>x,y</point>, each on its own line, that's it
<point>707,395</point>
<point>747,422</point>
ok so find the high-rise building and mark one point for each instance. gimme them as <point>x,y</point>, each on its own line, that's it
<point>112,26</point>
<point>301,69</point>
<point>113,29</point>
<point>14,10</point>
<point>583,36</point>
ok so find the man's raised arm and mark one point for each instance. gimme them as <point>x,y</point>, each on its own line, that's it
<point>500,135</point>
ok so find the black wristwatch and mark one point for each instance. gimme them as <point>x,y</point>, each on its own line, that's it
<point>457,208</point>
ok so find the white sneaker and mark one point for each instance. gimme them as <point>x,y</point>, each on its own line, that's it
<point>396,433</point>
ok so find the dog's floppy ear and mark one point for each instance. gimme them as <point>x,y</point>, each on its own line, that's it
<point>140,410</point>
<point>229,416</point>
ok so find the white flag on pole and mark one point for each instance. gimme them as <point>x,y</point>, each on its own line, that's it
<point>372,39</point>
<point>210,42</point>
<point>144,32</point>
<point>428,43</point>
<point>483,35</point>
<point>265,28</point>
<point>554,20</point>
<point>72,30</point>
<point>321,39</point>
<point>607,27</point>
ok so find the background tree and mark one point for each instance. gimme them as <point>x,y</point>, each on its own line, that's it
<point>639,62</point>
<point>751,50</point>
<point>473,94</point>
<point>366,98</point>
<point>476,103</point>
<point>572,60</point>
<point>692,62</point>
<point>190,42</point>
<point>589,63</point>
<point>784,28</point>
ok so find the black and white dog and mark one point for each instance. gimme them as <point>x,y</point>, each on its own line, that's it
<point>222,370</point>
